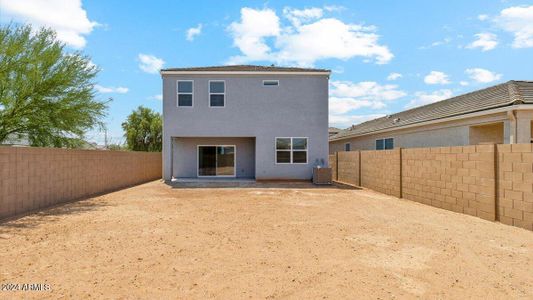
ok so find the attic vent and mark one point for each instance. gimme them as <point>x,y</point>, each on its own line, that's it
<point>395,120</point>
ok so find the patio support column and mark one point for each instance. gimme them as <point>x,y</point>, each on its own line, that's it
<point>167,158</point>
<point>507,131</point>
<point>523,126</point>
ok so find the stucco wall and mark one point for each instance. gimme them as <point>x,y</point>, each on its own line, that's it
<point>298,107</point>
<point>34,178</point>
<point>185,157</point>
<point>487,134</point>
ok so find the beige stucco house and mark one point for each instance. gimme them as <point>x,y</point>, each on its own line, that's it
<point>501,114</point>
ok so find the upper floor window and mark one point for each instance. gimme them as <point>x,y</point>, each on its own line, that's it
<point>385,144</point>
<point>270,82</point>
<point>217,93</point>
<point>185,93</point>
<point>291,150</point>
<point>347,147</point>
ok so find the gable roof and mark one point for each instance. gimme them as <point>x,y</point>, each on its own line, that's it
<point>246,68</point>
<point>505,94</point>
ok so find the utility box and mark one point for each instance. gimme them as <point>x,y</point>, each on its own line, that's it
<point>321,175</point>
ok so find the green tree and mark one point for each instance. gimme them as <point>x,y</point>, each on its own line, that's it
<point>143,130</point>
<point>46,95</point>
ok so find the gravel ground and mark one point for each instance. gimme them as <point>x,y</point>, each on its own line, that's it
<point>270,241</point>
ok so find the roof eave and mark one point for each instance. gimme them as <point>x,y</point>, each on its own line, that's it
<point>170,72</point>
<point>495,109</point>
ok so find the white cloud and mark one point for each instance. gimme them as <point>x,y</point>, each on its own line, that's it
<point>338,70</point>
<point>339,106</point>
<point>346,97</point>
<point>66,17</point>
<point>519,21</point>
<point>482,75</point>
<point>149,63</point>
<point>193,32</point>
<point>366,90</point>
<point>299,16</point>
<point>485,40</point>
<point>156,97</point>
<point>445,41</point>
<point>110,89</point>
<point>334,8</point>
<point>423,98</point>
<point>436,77</point>
<point>308,38</point>
<point>482,17</point>
<point>463,83</point>
<point>394,76</point>
<point>344,121</point>
<point>249,34</point>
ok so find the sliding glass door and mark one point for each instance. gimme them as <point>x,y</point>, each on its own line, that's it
<point>216,161</point>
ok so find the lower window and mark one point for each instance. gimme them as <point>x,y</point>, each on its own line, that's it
<point>291,150</point>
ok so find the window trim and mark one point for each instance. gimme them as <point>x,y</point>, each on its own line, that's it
<point>349,146</point>
<point>276,80</point>
<point>291,150</point>
<point>209,92</point>
<point>375,142</point>
<point>178,93</point>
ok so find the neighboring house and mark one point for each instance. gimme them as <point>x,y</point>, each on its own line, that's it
<point>333,131</point>
<point>16,140</point>
<point>500,114</point>
<point>244,121</point>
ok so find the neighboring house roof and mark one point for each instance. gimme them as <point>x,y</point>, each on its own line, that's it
<point>333,130</point>
<point>245,68</point>
<point>505,94</point>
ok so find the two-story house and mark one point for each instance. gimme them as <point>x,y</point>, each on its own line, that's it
<point>244,122</point>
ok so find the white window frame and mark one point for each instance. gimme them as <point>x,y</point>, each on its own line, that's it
<point>291,150</point>
<point>234,161</point>
<point>375,148</point>
<point>349,145</point>
<point>209,92</point>
<point>178,93</point>
<point>271,85</point>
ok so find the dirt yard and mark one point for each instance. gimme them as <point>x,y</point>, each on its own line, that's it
<point>268,241</point>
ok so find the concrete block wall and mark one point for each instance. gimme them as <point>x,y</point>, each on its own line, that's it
<point>515,185</point>
<point>493,182</point>
<point>333,165</point>
<point>348,167</point>
<point>380,171</point>
<point>461,179</point>
<point>35,178</point>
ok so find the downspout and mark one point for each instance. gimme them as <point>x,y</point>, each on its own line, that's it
<point>512,116</point>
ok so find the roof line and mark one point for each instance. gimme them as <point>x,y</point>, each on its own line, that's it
<point>452,98</point>
<point>514,93</point>
<point>163,72</point>
<point>438,120</point>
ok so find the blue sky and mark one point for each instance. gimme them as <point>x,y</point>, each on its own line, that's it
<point>386,56</point>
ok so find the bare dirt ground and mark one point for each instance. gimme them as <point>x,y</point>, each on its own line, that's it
<point>269,241</point>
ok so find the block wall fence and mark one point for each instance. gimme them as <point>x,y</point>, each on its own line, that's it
<point>493,182</point>
<point>36,178</point>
